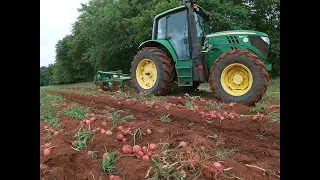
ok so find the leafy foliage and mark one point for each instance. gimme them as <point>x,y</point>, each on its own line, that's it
<point>82,138</point>
<point>76,112</point>
<point>46,75</point>
<point>109,163</point>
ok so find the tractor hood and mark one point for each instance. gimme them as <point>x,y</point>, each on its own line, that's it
<point>236,32</point>
<point>224,41</point>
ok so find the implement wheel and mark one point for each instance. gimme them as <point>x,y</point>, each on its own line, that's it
<point>238,76</point>
<point>100,86</point>
<point>152,71</point>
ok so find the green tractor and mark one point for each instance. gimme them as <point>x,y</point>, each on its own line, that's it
<point>182,54</point>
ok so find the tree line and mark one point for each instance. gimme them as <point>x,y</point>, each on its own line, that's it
<point>107,33</point>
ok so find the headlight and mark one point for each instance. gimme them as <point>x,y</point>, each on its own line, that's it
<point>266,39</point>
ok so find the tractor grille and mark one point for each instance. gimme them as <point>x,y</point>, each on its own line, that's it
<point>258,43</point>
<point>232,39</point>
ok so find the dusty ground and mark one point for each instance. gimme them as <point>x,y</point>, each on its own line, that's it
<point>247,149</point>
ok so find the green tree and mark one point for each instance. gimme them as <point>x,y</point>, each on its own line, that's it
<point>46,75</point>
<point>63,71</point>
<point>227,15</point>
<point>79,45</point>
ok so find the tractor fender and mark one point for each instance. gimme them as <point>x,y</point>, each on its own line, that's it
<point>261,56</point>
<point>162,44</point>
<point>257,52</point>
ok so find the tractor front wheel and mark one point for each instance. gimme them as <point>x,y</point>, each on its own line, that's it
<point>238,76</point>
<point>152,71</point>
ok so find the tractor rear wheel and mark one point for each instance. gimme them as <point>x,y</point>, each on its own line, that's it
<point>152,71</point>
<point>238,76</point>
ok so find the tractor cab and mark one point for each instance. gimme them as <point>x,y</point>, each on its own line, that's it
<point>173,25</point>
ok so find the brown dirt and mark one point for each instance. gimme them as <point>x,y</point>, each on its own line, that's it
<point>187,125</point>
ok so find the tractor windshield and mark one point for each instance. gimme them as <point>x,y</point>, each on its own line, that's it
<point>201,25</point>
<point>173,27</point>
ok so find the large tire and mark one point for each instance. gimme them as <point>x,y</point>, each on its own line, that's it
<point>247,59</point>
<point>164,67</point>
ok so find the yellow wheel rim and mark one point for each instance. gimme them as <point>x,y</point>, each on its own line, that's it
<point>236,79</point>
<point>146,73</point>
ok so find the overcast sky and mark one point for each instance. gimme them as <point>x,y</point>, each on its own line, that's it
<point>56,17</point>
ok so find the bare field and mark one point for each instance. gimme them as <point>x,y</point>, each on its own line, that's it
<point>80,126</point>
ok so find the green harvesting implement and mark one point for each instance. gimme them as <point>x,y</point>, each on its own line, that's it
<point>182,54</point>
<point>112,80</point>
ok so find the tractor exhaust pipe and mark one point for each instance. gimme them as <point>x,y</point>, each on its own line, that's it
<point>197,62</point>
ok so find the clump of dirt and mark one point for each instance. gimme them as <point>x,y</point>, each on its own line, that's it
<point>176,100</point>
<point>238,108</point>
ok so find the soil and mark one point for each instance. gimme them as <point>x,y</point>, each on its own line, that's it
<point>257,144</point>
